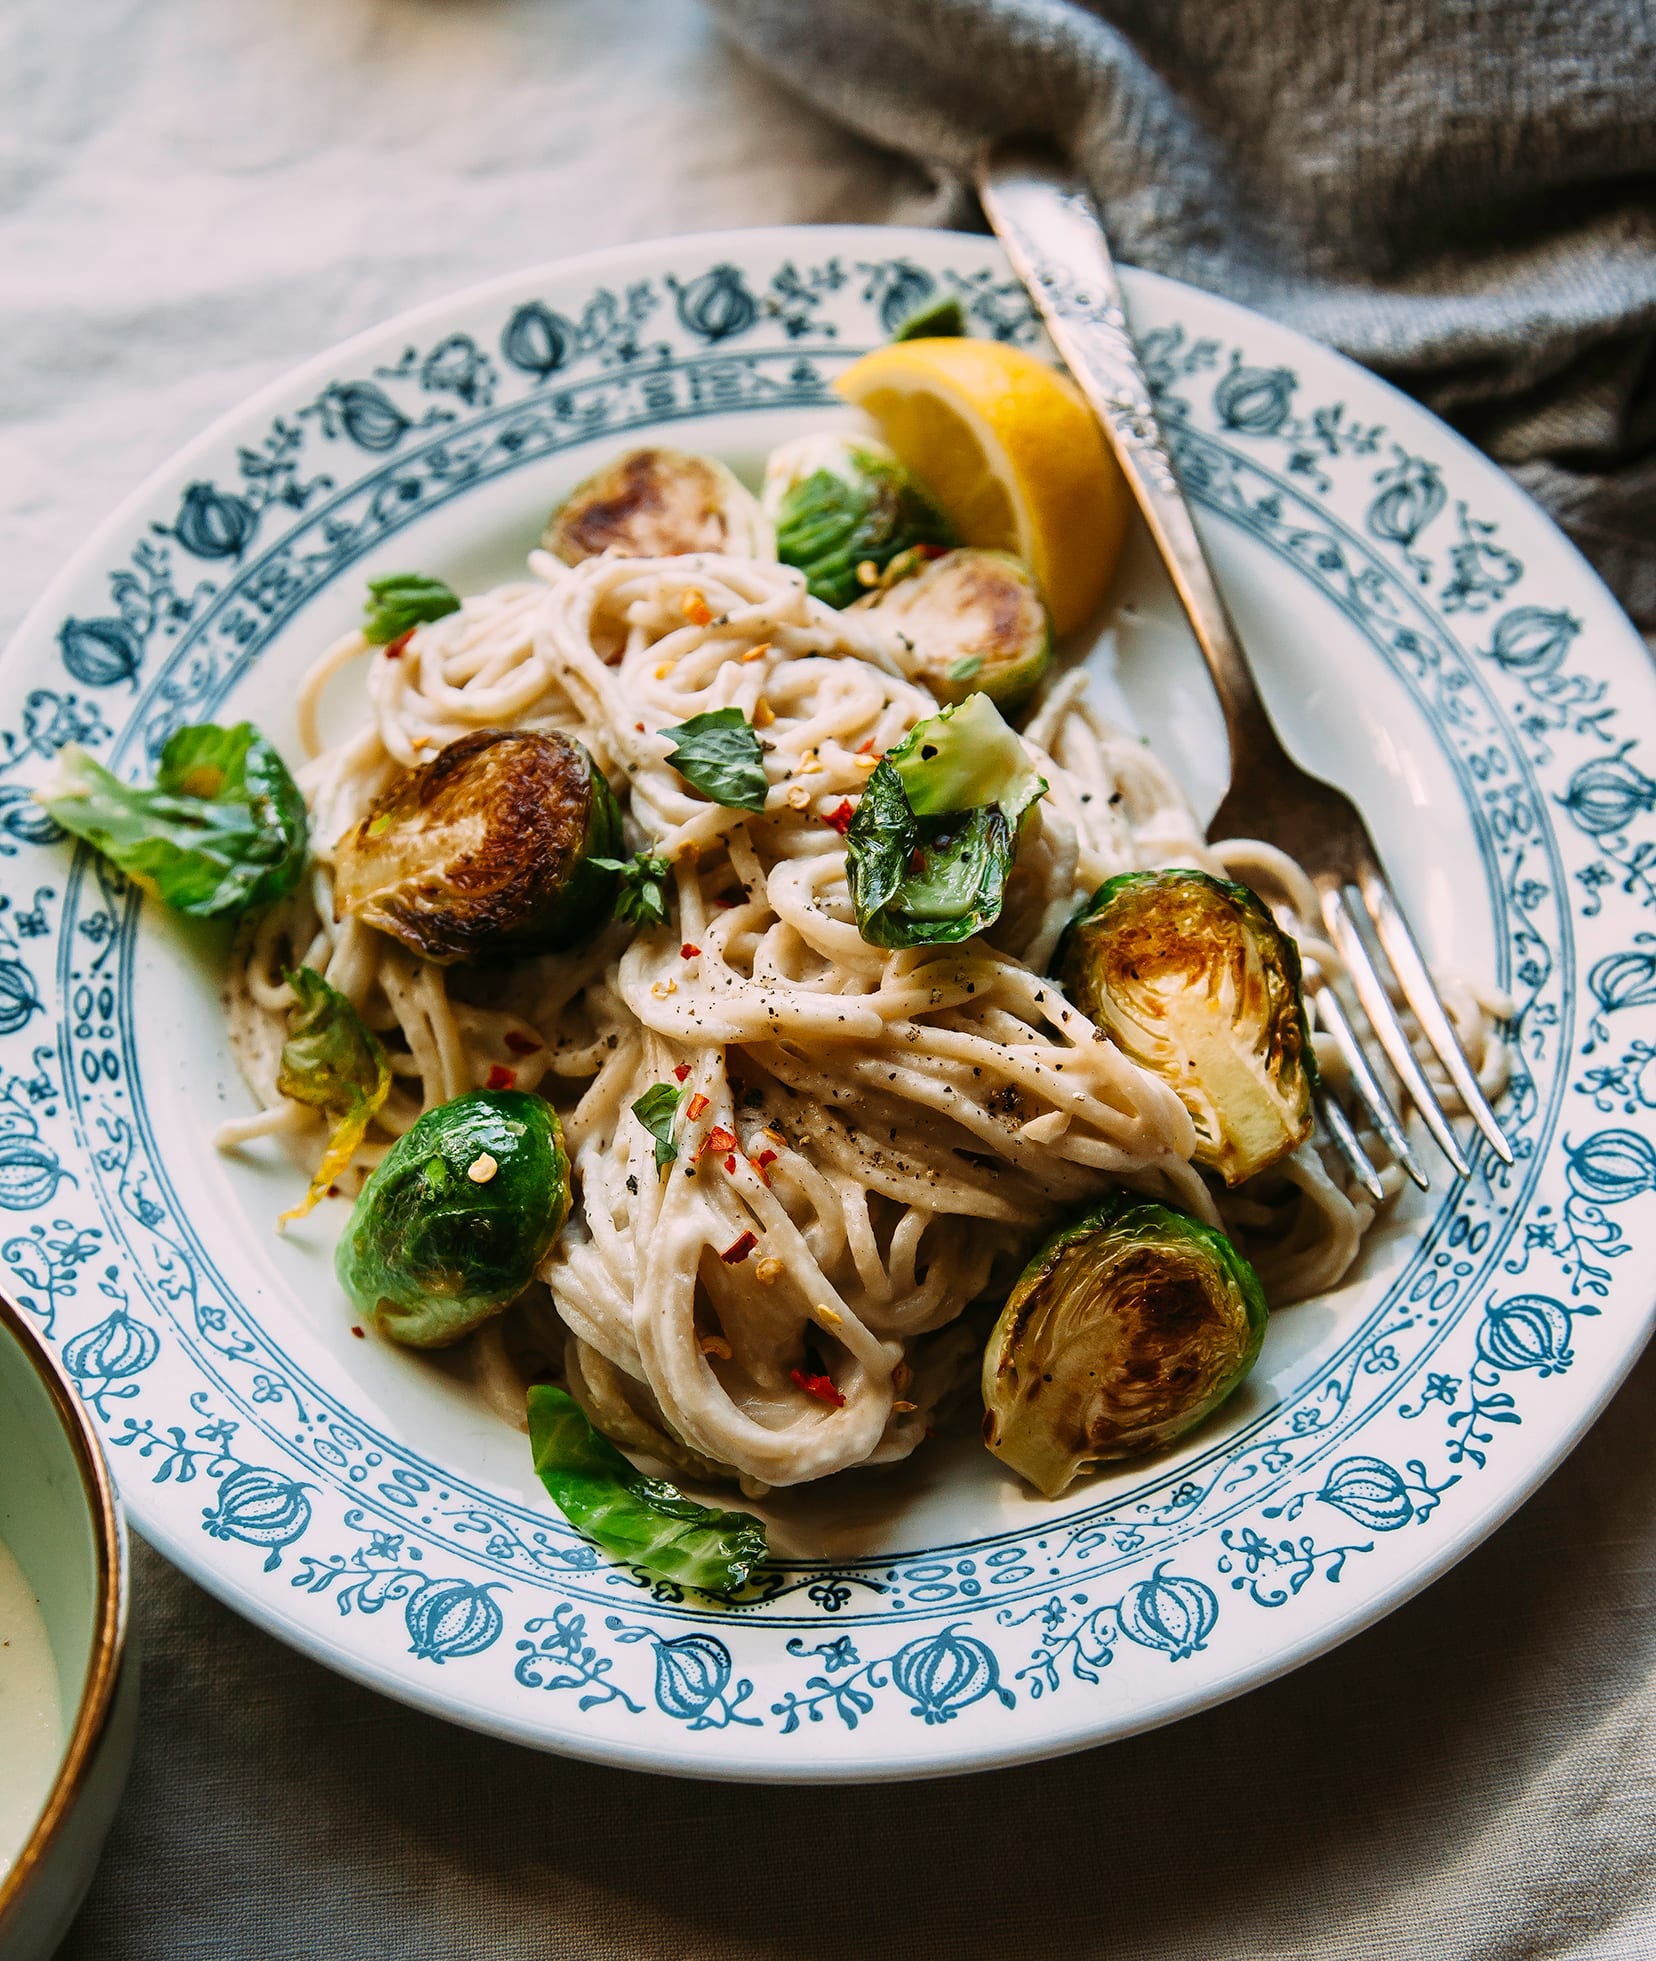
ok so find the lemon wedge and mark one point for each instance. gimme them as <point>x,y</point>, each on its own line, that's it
<point>1010,450</point>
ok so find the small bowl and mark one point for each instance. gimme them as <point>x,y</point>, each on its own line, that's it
<point>62,1522</point>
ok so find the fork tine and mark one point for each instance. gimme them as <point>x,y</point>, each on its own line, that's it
<point>1331,1013</point>
<point>1338,1126</point>
<point>1371,991</point>
<point>1407,963</point>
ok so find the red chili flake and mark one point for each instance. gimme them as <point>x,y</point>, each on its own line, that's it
<point>359,1334</point>
<point>521,1044</point>
<point>864,747</point>
<point>688,952</point>
<point>720,1139</point>
<point>697,1104</point>
<point>820,1386</point>
<point>739,1249</point>
<point>394,648</point>
<point>839,819</point>
<point>639,726</point>
<point>333,1191</point>
<point>730,1163</point>
<point>764,1158</point>
<point>932,551</point>
<point>681,1070</point>
<point>500,1077</point>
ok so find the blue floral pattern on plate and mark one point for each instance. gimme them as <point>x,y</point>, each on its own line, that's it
<point>1512,1308</point>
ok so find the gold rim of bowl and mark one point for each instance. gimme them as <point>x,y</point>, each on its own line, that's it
<point>103,1674</point>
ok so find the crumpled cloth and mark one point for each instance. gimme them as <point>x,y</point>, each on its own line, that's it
<point>192,198</point>
<point>1459,193</point>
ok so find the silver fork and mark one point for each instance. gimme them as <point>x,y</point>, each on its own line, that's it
<point>1052,234</point>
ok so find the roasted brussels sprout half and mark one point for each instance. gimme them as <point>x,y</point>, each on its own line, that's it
<point>930,846</point>
<point>971,622</point>
<point>656,503</point>
<point>1125,1329</point>
<point>844,510</point>
<point>456,1217</point>
<point>487,850</point>
<point>1193,978</point>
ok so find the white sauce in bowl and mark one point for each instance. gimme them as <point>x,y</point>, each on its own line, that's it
<point>31,1711</point>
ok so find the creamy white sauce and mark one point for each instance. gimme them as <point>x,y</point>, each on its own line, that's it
<point>31,1711</point>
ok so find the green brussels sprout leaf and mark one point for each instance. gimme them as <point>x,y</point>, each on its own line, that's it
<point>1192,977</point>
<point>656,1110</point>
<point>1128,1327</point>
<point>720,754</point>
<point>934,837</point>
<point>641,897</point>
<point>939,318</point>
<point>844,511</point>
<point>223,828</point>
<point>456,1217</point>
<point>643,1520</point>
<point>402,601</point>
<point>333,1062</point>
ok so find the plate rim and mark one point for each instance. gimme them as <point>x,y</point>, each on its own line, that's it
<point>1281,1658</point>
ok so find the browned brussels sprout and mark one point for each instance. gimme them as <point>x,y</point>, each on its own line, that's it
<point>487,850</point>
<point>1125,1329</point>
<point>1193,978</point>
<point>656,503</point>
<point>972,622</point>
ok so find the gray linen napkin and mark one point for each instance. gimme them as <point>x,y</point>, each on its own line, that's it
<point>1460,193</point>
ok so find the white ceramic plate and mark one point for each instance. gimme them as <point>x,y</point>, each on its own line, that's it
<point>1426,638</point>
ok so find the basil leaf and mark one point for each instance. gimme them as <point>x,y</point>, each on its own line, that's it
<point>641,899</point>
<point>333,1062</point>
<point>402,601</point>
<point>222,829</point>
<point>720,754</point>
<point>932,842</point>
<point>655,1110</point>
<point>645,1521</point>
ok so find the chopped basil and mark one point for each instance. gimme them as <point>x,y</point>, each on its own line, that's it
<point>720,754</point>
<point>655,1110</point>
<point>641,899</point>
<point>404,600</point>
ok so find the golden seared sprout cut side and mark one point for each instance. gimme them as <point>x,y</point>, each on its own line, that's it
<point>1192,977</point>
<point>496,847</point>
<point>844,511</point>
<point>971,622</point>
<point>1128,1327</point>
<point>658,503</point>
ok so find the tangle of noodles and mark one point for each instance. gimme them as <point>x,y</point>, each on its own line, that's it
<point>907,1123</point>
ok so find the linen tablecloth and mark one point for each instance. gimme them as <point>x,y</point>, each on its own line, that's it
<point>192,198</point>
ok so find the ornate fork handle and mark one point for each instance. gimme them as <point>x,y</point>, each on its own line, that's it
<point>1052,235</point>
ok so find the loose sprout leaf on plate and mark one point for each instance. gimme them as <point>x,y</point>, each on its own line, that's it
<point>1127,1327</point>
<point>1192,977</point>
<point>720,754</point>
<point>940,318</point>
<point>656,1110</point>
<point>934,837</point>
<point>641,895</point>
<point>222,828</point>
<point>402,601</point>
<point>333,1062</point>
<point>643,1520</point>
<point>844,511</point>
